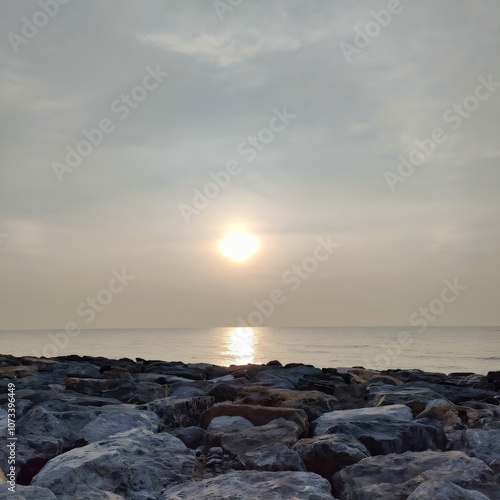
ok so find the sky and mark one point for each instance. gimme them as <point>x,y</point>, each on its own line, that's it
<point>357,141</point>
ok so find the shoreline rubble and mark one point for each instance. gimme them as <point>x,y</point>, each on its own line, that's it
<point>99,428</point>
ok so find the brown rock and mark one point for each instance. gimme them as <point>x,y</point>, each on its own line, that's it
<point>314,403</point>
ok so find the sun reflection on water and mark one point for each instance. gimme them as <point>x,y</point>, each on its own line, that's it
<point>240,346</point>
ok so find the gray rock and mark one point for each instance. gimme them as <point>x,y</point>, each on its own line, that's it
<point>397,476</point>
<point>38,396</point>
<point>439,490</point>
<point>32,453</point>
<point>254,485</point>
<point>56,419</point>
<point>120,420</point>
<point>186,391</point>
<point>223,392</point>
<point>326,455</point>
<point>193,437</point>
<point>455,394</point>
<point>394,413</point>
<point>135,464</point>
<point>278,431</point>
<point>286,378</point>
<point>25,493</point>
<point>220,426</point>
<point>480,443</point>
<point>381,437</point>
<point>179,412</point>
<point>415,398</point>
<point>274,457</point>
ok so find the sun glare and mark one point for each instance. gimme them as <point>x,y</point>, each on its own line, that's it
<point>239,246</point>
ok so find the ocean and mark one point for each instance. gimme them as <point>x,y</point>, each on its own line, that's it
<point>441,349</point>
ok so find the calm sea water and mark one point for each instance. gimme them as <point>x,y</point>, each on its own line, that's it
<point>443,349</point>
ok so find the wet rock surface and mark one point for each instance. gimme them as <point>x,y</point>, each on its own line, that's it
<point>99,428</point>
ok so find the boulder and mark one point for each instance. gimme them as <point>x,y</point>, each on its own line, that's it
<point>193,437</point>
<point>397,476</point>
<point>219,426</point>
<point>440,490</point>
<point>38,396</point>
<point>286,378</point>
<point>254,485</point>
<point>480,443</point>
<point>453,393</point>
<point>415,398</point>
<point>223,392</point>
<point>272,457</point>
<point>443,411</point>
<point>382,437</point>
<point>326,455</point>
<point>258,415</point>
<point>394,413</point>
<point>137,464</point>
<point>179,412</point>
<point>314,403</point>
<point>58,420</point>
<point>32,453</point>
<point>350,396</point>
<point>120,420</point>
<point>278,431</point>
<point>25,493</point>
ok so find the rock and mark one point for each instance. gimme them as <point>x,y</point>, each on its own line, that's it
<point>440,490</point>
<point>220,426</point>
<point>32,453</point>
<point>223,392</point>
<point>186,391</point>
<point>381,437</point>
<point>384,429</point>
<point>254,485</point>
<point>56,419</point>
<point>480,443</point>
<point>120,420</point>
<point>137,464</point>
<point>350,396</point>
<point>394,476</point>
<point>192,437</point>
<point>175,369</point>
<point>394,413</point>
<point>273,457</point>
<point>286,378</point>
<point>326,455</point>
<point>495,466</point>
<point>179,412</point>
<point>455,394</point>
<point>443,411</point>
<point>37,396</point>
<point>258,415</point>
<point>278,431</point>
<point>362,375</point>
<point>314,403</point>
<point>26,493</point>
<point>415,398</point>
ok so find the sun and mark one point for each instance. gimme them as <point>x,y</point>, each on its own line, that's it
<point>239,246</point>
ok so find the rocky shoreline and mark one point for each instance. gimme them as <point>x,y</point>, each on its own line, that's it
<point>97,428</point>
